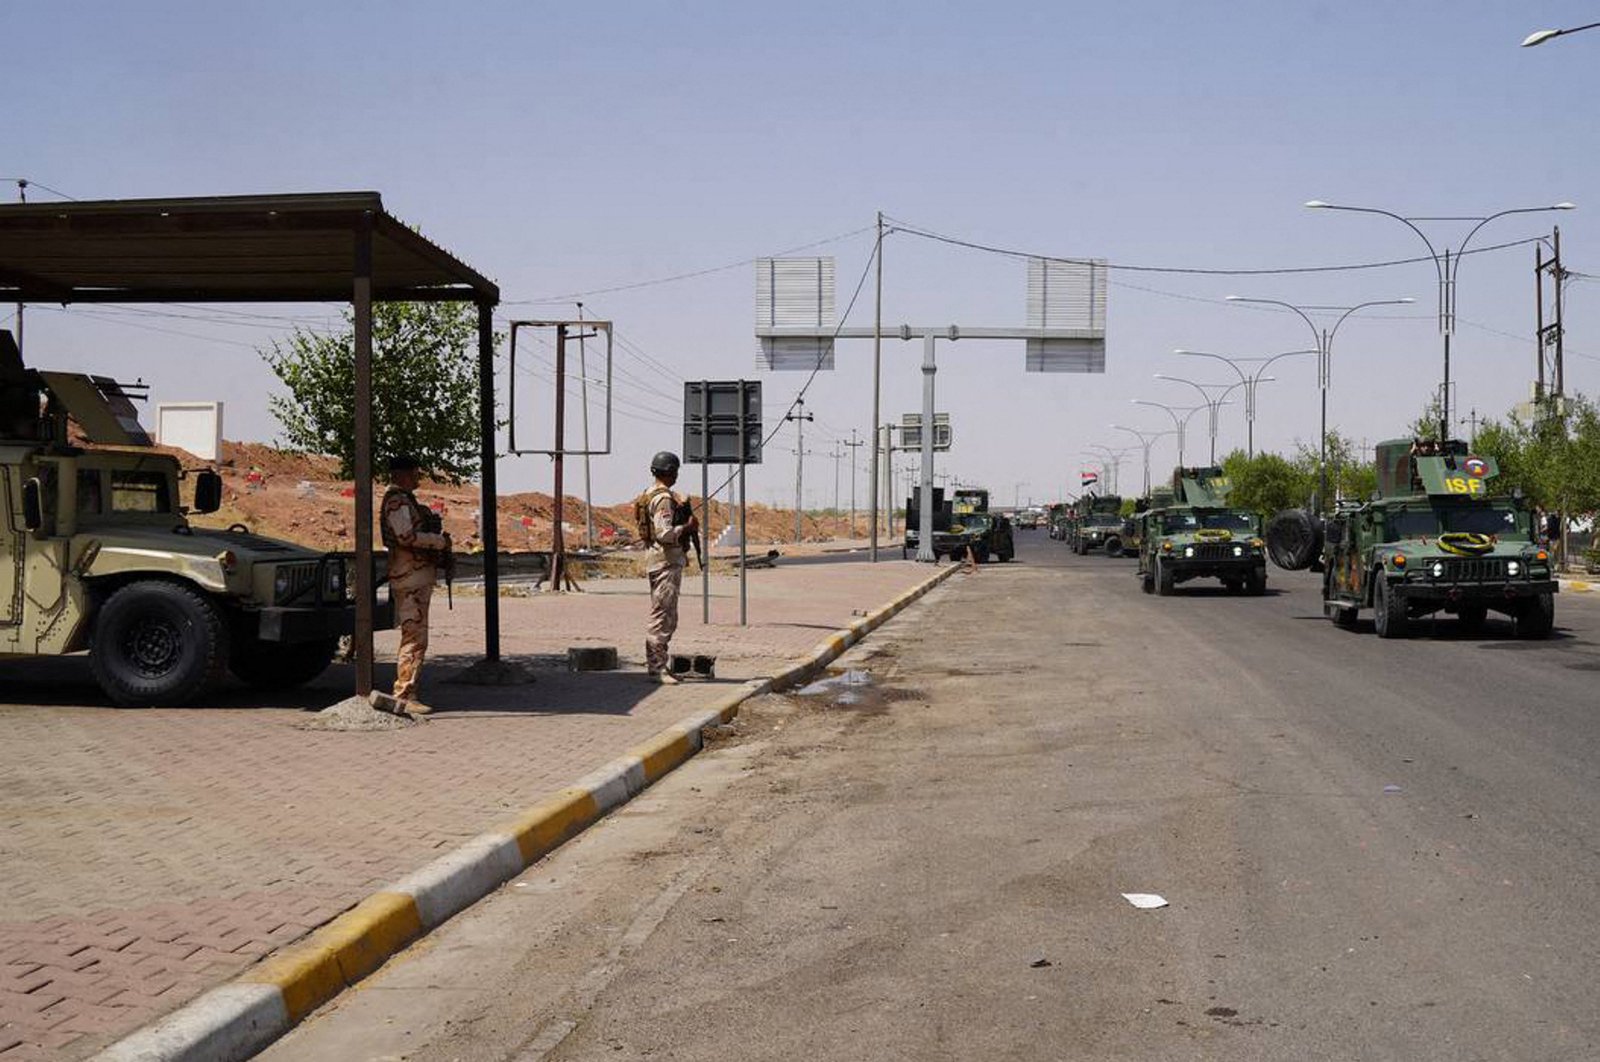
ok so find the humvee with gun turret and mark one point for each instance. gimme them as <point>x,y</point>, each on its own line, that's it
<point>1191,532</point>
<point>97,554</point>
<point>1099,525</point>
<point>1433,538</point>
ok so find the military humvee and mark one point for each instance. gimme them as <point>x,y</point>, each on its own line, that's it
<point>98,554</point>
<point>1099,525</point>
<point>1434,539</point>
<point>1192,533</point>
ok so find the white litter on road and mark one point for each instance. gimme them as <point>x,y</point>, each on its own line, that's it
<point>1145,901</point>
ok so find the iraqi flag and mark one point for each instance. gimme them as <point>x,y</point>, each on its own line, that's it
<point>1090,478</point>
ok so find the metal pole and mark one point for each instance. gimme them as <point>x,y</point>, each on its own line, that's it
<point>588,486</point>
<point>1447,306</point>
<point>705,500</point>
<point>877,374</point>
<point>837,453</point>
<point>488,498</point>
<point>744,619</point>
<point>361,297</point>
<point>558,537</point>
<point>22,197</point>
<point>854,445</point>
<point>925,510</point>
<point>1324,352</point>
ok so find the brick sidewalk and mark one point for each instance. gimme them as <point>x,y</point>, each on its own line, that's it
<point>146,856</point>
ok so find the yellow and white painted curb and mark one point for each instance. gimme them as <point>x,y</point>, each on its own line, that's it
<point>238,1019</point>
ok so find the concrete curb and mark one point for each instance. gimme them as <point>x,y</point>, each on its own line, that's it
<point>238,1019</point>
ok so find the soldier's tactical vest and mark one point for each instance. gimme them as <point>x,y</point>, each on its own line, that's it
<point>419,517</point>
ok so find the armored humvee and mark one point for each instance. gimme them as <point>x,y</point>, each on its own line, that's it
<point>1099,525</point>
<point>1434,538</point>
<point>97,553</point>
<point>1191,532</point>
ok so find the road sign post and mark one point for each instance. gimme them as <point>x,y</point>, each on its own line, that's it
<point>722,426</point>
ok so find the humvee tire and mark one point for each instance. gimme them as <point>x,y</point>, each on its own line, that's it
<point>158,642</point>
<point>1113,546</point>
<point>1536,618</point>
<point>1164,580</point>
<point>276,666</point>
<point>1389,611</point>
<point>1343,616</point>
<point>1255,584</point>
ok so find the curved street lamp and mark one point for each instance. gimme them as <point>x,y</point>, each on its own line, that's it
<point>1250,380</point>
<point>1446,265</point>
<point>1180,418</point>
<point>1212,404</point>
<point>1146,440</point>
<point>1540,36</point>
<point>1324,341</point>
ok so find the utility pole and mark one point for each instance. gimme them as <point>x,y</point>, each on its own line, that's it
<point>1550,337</point>
<point>877,373</point>
<point>853,444</point>
<point>799,416</point>
<point>22,197</point>
<point>836,453</point>
<point>588,486</point>
<point>888,485</point>
<point>1472,437</point>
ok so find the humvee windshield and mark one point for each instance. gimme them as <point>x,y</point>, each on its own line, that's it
<point>976,522</point>
<point>1228,521</point>
<point>1103,520</point>
<point>1504,521</point>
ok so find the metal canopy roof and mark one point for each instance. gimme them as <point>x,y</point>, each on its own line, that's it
<point>271,248</point>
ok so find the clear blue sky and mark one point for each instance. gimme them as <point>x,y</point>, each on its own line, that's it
<point>570,147</point>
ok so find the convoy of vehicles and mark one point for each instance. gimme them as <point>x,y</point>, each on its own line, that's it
<point>1433,539</point>
<point>97,554</point>
<point>1192,533</point>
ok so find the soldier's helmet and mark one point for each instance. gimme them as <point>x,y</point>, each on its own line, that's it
<point>664,463</point>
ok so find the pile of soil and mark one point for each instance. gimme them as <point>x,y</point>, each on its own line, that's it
<point>301,498</point>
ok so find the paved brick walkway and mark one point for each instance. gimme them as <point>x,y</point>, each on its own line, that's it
<point>148,855</point>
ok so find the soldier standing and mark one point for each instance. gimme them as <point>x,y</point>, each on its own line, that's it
<point>666,538</point>
<point>417,548</point>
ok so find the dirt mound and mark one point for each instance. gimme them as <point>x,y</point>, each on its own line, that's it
<point>301,498</point>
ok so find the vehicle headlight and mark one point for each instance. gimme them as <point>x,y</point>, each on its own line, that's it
<point>1188,551</point>
<point>1238,551</point>
<point>281,584</point>
<point>1513,568</point>
<point>1438,569</point>
<point>334,579</point>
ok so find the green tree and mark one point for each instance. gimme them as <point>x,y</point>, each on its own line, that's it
<point>424,388</point>
<point>1268,482</point>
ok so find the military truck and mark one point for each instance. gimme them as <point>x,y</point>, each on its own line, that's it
<point>1056,520</point>
<point>1433,538</point>
<point>1100,525</point>
<point>1191,532</point>
<point>97,554</point>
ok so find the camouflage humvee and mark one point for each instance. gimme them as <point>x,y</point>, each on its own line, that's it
<point>1191,532</point>
<point>1433,539</point>
<point>1099,525</point>
<point>98,554</point>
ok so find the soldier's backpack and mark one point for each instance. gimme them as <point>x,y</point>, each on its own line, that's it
<point>643,523</point>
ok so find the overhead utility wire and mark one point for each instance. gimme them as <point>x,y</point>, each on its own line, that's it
<point>674,278</point>
<point>1012,252</point>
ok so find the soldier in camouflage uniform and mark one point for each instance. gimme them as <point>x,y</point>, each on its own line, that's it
<point>417,549</point>
<point>666,563</point>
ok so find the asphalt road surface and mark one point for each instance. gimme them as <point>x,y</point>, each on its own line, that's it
<point>1370,849</point>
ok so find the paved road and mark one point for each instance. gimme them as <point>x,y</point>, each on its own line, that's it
<point>1371,850</point>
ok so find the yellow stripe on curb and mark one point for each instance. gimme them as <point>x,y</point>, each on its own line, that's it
<point>542,828</point>
<point>341,952</point>
<point>663,752</point>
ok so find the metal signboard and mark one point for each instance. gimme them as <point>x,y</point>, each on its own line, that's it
<point>1067,297</point>
<point>795,293</point>
<point>716,415</point>
<point>911,431</point>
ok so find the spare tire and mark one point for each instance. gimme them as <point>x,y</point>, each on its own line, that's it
<point>1294,539</point>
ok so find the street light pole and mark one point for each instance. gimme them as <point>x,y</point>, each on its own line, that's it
<point>1446,265</point>
<point>1212,404</point>
<point>1251,381</point>
<point>1180,423</point>
<point>799,416</point>
<point>1323,337</point>
<point>1146,441</point>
